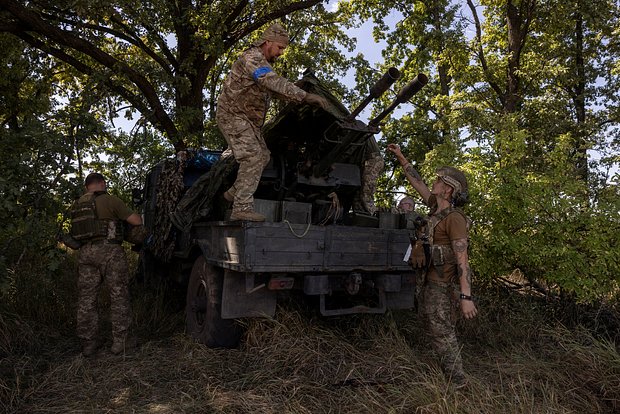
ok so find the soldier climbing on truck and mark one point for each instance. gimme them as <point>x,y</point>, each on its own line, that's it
<point>241,110</point>
<point>313,239</point>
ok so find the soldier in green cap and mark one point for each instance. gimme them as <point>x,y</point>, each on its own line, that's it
<point>241,110</point>
<point>446,276</point>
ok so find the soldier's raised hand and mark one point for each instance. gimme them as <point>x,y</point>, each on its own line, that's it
<point>316,100</point>
<point>395,148</point>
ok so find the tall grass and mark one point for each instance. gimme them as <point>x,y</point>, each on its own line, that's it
<point>520,354</point>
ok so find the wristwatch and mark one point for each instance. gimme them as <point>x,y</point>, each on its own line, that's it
<point>463,296</point>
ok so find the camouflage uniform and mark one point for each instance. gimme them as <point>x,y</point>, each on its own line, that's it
<point>373,166</point>
<point>98,263</point>
<point>438,299</point>
<point>102,260</point>
<point>241,111</point>
<point>372,169</point>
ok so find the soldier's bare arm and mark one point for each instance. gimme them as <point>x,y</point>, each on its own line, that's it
<point>134,219</point>
<point>412,175</point>
<point>468,307</point>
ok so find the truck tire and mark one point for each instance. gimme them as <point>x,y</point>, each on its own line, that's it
<point>203,307</point>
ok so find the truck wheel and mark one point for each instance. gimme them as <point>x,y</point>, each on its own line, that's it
<point>203,308</point>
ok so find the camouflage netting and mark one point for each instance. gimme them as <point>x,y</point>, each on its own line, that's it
<point>198,201</point>
<point>307,126</point>
<point>170,187</point>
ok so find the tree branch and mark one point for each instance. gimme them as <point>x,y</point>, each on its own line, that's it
<point>36,24</point>
<point>481,56</point>
<point>262,20</point>
<point>87,70</point>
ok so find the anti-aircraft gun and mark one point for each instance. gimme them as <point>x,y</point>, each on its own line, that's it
<point>314,240</point>
<point>318,152</point>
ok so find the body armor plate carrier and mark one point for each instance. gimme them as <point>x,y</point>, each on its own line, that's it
<point>425,252</point>
<point>87,227</point>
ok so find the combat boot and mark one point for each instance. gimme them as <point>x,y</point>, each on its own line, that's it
<point>89,348</point>
<point>123,345</point>
<point>248,215</point>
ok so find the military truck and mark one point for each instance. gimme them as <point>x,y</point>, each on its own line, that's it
<point>315,242</point>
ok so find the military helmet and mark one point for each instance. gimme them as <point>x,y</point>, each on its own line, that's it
<point>456,179</point>
<point>274,33</point>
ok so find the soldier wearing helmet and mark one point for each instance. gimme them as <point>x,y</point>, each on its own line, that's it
<point>241,110</point>
<point>445,276</point>
<point>406,205</point>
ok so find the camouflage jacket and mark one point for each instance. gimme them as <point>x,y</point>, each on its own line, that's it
<point>250,85</point>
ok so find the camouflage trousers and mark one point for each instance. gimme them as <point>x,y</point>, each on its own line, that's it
<point>249,149</point>
<point>438,309</point>
<point>97,264</point>
<point>372,169</point>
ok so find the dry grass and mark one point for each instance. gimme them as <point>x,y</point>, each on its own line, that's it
<point>518,359</point>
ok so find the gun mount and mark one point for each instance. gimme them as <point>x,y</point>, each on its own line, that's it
<point>327,149</point>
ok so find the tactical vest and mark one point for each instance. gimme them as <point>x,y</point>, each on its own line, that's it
<point>87,227</point>
<point>437,255</point>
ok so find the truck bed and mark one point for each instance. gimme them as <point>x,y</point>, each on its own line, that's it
<point>287,247</point>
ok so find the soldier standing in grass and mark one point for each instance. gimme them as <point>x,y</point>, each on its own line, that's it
<point>241,110</point>
<point>446,281</point>
<point>97,221</point>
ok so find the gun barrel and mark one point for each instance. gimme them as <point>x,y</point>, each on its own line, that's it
<point>378,89</point>
<point>412,88</point>
<point>403,95</point>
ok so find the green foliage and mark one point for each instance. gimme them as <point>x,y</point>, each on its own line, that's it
<point>522,96</point>
<point>541,223</point>
<point>519,105</point>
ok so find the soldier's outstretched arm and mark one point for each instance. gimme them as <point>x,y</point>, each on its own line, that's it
<point>134,219</point>
<point>412,175</point>
<point>468,307</point>
<point>262,73</point>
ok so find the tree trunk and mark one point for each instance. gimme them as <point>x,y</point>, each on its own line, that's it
<point>579,100</point>
<point>518,17</point>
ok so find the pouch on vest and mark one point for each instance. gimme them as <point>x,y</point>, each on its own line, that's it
<point>116,231</point>
<point>442,255</point>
